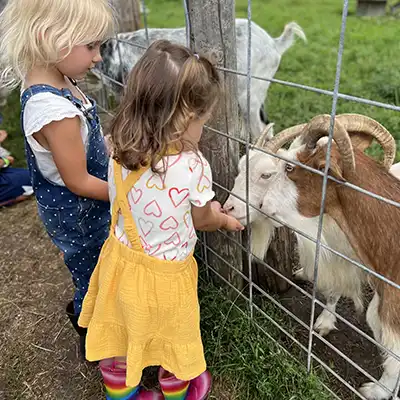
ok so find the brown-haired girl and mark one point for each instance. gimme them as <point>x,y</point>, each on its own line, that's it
<point>142,307</point>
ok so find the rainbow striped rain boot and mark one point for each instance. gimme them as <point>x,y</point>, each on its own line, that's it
<point>114,376</point>
<point>176,389</point>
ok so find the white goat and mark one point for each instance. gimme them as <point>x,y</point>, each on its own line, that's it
<point>369,224</point>
<point>266,53</point>
<point>336,277</point>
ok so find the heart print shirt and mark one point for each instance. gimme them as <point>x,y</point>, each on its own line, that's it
<point>161,205</point>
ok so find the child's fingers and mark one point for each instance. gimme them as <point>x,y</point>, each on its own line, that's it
<point>239,227</point>
<point>216,205</point>
<point>3,135</point>
<point>234,224</point>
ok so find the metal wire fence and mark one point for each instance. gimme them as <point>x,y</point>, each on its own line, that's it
<point>253,287</point>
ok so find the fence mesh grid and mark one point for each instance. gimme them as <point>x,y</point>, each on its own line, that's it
<point>253,288</point>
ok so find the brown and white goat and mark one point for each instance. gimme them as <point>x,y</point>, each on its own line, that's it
<point>337,277</point>
<point>369,224</point>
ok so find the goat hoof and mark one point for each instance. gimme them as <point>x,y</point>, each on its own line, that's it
<point>373,391</point>
<point>324,324</point>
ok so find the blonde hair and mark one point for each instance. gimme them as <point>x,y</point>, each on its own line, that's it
<point>33,32</point>
<point>169,87</point>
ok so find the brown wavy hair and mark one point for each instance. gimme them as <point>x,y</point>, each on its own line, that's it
<point>169,87</point>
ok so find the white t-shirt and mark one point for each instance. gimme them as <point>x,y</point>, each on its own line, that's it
<point>40,110</point>
<point>161,206</point>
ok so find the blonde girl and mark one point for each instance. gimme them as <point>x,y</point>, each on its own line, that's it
<point>45,47</point>
<point>142,307</point>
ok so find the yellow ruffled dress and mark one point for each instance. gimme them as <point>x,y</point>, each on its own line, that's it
<point>141,307</point>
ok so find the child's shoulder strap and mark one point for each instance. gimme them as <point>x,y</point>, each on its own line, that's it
<point>42,88</point>
<point>121,204</point>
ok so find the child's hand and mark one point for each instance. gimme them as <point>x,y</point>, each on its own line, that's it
<point>6,161</point>
<point>3,136</point>
<point>216,206</point>
<point>212,217</point>
<point>232,224</point>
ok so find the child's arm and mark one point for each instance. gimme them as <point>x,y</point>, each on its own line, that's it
<point>210,218</point>
<point>6,161</point>
<point>207,215</point>
<point>65,143</point>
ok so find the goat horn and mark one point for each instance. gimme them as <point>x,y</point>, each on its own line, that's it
<point>319,127</point>
<point>263,137</point>
<point>364,124</point>
<point>283,137</point>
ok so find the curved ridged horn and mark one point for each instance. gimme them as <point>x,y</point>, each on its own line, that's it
<point>318,127</point>
<point>263,138</point>
<point>283,137</point>
<point>362,124</point>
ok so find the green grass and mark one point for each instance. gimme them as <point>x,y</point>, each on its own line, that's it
<point>242,356</point>
<point>368,69</point>
<point>11,123</point>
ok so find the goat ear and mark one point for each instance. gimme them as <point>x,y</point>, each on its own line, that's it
<point>334,169</point>
<point>266,135</point>
<point>361,141</point>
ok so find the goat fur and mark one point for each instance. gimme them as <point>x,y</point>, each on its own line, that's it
<point>265,59</point>
<point>369,225</point>
<point>337,277</point>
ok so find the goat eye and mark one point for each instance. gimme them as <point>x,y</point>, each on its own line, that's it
<point>265,176</point>
<point>289,168</point>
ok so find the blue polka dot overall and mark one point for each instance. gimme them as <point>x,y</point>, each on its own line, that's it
<point>78,226</point>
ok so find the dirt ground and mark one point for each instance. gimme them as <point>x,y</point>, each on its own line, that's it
<point>359,349</point>
<point>39,349</point>
<point>38,346</point>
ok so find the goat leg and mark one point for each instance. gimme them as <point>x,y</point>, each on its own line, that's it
<point>326,321</point>
<point>389,337</point>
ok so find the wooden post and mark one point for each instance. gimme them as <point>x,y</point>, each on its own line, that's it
<point>128,12</point>
<point>212,31</point>
<point>371,8</point>
<point>282,257</point>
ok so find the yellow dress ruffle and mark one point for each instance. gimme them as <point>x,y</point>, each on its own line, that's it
<point>141,307</point>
